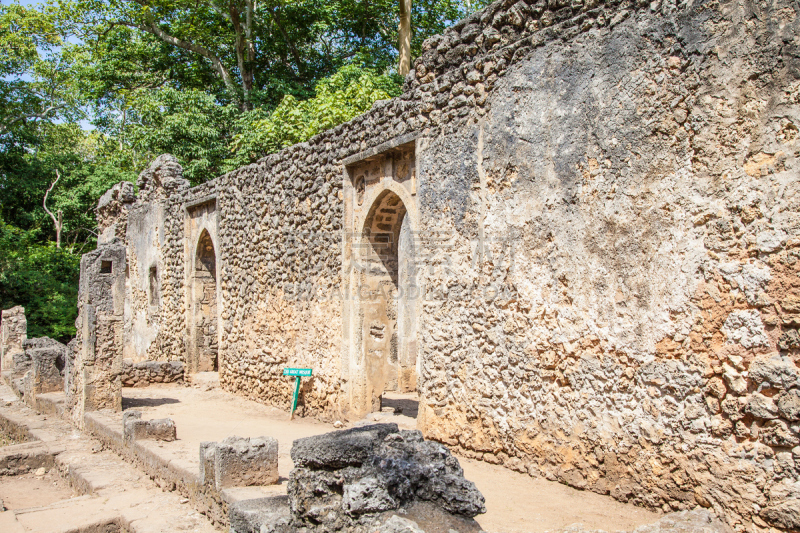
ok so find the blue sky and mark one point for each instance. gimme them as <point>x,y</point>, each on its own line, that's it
<point>23,2</point>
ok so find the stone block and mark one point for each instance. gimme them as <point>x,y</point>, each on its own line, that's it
<point>785,514</point>
<point>779,372</point>
<point>39,368</point>
<point>345,477</point>
<point>13,332</point>
<point>135,428</point>
<point>239,462</point>
<point>207,462</point>
<point>22,363</point>
<point>248,516</point>
<point>47,366</point>
<point>367,495</point>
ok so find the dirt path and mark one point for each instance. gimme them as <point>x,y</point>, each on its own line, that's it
<point>515,503</point>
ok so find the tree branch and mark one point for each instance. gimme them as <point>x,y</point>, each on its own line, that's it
<point>153,29</point>
<point>276,17</point>
<point>7,124</point>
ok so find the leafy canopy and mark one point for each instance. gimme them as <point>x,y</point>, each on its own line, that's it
<point>95,89</point>
<point>345,95</point>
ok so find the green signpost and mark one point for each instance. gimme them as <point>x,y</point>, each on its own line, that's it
<point>297,373</point>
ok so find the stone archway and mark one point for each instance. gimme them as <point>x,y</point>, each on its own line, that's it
<point>386,291</point>
<point>203,338</point>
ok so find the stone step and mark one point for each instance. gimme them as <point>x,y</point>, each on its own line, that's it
<point>75,514</point>
<point>9,523</point>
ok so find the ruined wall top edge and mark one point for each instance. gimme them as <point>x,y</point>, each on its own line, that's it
<point>489,40</point>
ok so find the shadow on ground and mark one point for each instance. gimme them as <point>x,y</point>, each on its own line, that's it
<point>128,403</point>
<point>405,406</point>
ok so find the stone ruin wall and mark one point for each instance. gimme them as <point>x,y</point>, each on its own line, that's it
<point>622,178</point>
<point>13,332</point>
<point>262,237</point>
<point>94,366</point>
<point>634,195</point>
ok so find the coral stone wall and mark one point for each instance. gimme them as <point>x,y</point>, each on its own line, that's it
<point>93,369</point>
<point>13,332</point>
<point>617,269</point>
<point>606,232</point>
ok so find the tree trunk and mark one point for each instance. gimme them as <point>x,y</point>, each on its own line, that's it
<point>57,222</point>
<point>404,38</point>
<point>241,49</point>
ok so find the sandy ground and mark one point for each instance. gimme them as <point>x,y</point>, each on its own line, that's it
<point>115,491</point>
<point>515,503</point>
<point>30,490</point>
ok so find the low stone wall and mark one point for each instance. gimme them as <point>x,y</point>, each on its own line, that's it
<point>109,429</point>
<point>38,369</point>
<point>144,373</point>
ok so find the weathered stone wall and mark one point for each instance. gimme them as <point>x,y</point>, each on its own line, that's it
<point>13,332</point>
<point>94,376</point>
<point>146,373</point>
<point>629,201</point>
<point>601,207</point>
<point>38,368</point>
<point>112,212</point>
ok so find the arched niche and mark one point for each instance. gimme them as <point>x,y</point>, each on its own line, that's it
<point>203,334</point>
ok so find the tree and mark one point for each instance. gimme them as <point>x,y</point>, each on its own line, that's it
<point>42,278</point>
<point>33,74</point>
<point>189,124</point>
<point>249,45</point>
<point>345,95</point>
<point>58,222</point>
<point>217,83</point>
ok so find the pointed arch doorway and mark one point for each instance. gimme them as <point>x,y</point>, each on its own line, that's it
<point>388,325</point>
<point>383,304</point>
<point>203,339</point>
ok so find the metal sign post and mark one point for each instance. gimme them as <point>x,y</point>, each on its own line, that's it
<point>297,373</point>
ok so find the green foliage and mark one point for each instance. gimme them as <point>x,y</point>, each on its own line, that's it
<point>345,95</point>
<point>218,84</point>
<point>27,172</point>
<point>188,124</point>
<point>34,76</point>
<point>42,278</point>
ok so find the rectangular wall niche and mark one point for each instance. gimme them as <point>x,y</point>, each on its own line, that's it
<point>154,286</point>
<point>379,267</point>
<point>106,267</point>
